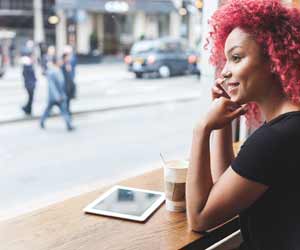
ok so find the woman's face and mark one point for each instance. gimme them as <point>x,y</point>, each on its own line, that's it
<point>247,71</point>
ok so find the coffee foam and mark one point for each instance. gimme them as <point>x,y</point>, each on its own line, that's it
<point>176,171</point>
<point>178,175</point>
<point>178,164</point>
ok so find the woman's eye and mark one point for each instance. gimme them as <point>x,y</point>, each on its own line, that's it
<point>236,58</point>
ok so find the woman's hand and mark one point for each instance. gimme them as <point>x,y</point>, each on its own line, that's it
<point>222,110</point>
<point>221,113</point>
<point>217,91</point>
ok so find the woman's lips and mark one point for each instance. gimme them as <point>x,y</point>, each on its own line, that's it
<point>232,86</point>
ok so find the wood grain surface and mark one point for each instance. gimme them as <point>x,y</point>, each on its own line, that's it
<point>64,226</point>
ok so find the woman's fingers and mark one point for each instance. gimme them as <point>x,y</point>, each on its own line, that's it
<point>234,108</point>
<point>219,81</point>
<point>222,112</point>
<point>217,90</point>
<point>238,112</point>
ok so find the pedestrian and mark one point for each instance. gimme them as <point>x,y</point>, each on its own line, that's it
<point>68,49</point>
<point>28,76</point>
<point>43,56</point>
<point>255,45</point>
<point>70,87</point>
<point>47,57</point>
<point>12,52</point>
<point>56,94</point>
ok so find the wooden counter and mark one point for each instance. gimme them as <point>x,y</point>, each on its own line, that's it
<point>64,226</point>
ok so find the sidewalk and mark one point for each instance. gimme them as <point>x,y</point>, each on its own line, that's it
<point>99,90</point>
<point>107,105</point>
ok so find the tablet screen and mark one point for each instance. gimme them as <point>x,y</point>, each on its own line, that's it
<point>126,201</point>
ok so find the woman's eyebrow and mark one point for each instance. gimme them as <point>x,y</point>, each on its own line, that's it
<point>234,47</point>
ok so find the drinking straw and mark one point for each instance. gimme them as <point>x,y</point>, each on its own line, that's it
<point>163,160</point>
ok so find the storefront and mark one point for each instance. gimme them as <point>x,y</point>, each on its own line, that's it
<point>110,27</point>
<point>17,17</point>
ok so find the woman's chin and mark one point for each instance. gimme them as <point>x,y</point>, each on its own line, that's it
<point>238,99</point>
<point>234,98</point>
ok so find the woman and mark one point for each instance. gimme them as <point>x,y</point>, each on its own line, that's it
<point>256,46</point>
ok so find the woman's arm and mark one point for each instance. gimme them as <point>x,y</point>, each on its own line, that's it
<point>199,179</point>
<point>210,204</point>
<point>221,151</point>
<point>221,148</point>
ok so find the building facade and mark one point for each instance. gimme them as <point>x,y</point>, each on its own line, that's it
<point>111,27</point>
<point>107,26</point>
<point>17,16</point>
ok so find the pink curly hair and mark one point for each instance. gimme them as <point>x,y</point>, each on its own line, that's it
<point>275,27</point>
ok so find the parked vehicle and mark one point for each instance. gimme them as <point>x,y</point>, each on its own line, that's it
<point>165,56</point>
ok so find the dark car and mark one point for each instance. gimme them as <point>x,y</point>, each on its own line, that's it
<point>165,56</point>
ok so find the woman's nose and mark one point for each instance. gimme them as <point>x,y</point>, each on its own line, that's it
<point>226,73</point>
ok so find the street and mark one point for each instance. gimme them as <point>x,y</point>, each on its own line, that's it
<point>40,167</point>
<point>100,86</point>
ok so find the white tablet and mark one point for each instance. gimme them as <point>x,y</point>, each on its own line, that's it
<point>127,203</point>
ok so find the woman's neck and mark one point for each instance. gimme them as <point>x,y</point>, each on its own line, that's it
<point>276,104</point>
